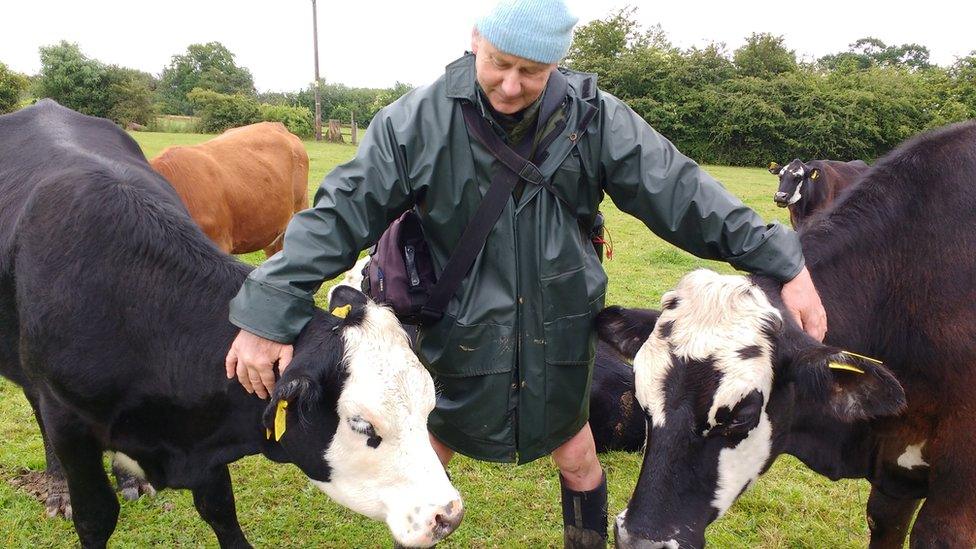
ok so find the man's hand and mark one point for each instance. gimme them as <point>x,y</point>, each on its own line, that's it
<point>252,358</point>
<point>803,302</point>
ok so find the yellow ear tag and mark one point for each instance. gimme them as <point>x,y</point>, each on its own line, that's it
<point>342,312</point>
<point>847,367</point>
<point>280,420</point>
<point>815,175</point>
<point>773,165</point>
<point>867,358</point>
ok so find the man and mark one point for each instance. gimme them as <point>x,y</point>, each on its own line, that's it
<point>513,354</point>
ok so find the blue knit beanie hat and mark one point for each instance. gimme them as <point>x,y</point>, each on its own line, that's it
<point>539,30</point>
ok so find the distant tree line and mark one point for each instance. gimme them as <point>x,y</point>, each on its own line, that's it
<point>760,103</point>
<point>206,81</point>
<point>748,107</point>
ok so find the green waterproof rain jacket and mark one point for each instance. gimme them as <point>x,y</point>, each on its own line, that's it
<point>512,358</point>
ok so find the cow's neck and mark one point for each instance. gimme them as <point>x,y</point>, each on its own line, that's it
<point>849,252</point>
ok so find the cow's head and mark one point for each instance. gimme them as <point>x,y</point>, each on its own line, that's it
<point>356,420</point>
<point>719,379</point>
<point>794,178</point>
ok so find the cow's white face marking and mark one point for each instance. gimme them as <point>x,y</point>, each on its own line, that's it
<point>912,457</point>
<point>715,317</point>
<point>797,194</point>
<point>393,475</point>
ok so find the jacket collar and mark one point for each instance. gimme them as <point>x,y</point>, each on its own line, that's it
<point>460,79</point>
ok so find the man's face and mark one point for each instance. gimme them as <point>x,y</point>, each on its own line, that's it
<point>511,83</point>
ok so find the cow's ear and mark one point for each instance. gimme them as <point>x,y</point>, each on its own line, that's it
<point>348,303</point>
<point>293,395</point>
<point>625,330</point>
<point>849,386</point>
<point>814,174</point>
<point>774,168</point>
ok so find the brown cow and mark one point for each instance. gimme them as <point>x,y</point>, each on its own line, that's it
<point>809,187</point>
<point>242,186</point>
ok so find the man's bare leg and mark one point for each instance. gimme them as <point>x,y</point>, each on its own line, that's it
<point>584,492</point>
<point>443,452</point>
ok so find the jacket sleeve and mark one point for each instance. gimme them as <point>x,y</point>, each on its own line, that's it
<point>353,206</point>
<point>647,177</point>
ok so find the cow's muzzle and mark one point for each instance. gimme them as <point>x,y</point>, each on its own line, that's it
<point>781,199</point>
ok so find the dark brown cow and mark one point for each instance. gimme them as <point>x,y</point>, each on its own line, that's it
<point>809,187</point>
<point>728,381</point>
<point>241,187</point>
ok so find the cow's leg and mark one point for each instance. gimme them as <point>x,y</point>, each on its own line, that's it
<point>131,485</point>
<point>888,519</point>
<point>214,500</point>
<point>95,507</point>
<point>276,245</point>
<point>57,502</point>
<point>948,516</point>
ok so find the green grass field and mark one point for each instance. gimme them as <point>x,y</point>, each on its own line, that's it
<point>507,506</point>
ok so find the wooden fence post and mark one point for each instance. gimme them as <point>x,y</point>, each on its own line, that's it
<point>335,132</point>
<point>353,127</point>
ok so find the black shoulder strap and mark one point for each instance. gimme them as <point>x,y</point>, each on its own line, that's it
<point>499,193</point>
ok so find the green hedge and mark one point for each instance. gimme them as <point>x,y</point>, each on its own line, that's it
<point>219,111</point>
<point>298,120</point>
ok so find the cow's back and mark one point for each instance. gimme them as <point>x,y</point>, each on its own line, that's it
<point>896,254</point>
<point>243,186</point>
<point>840,175</point>
<point>100,263</point>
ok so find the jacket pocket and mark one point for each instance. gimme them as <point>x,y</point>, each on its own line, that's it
<point>451,349</point>
<point>570,347</point>
<point>473,376</point>
<point>565,295</point>
<point>568,179</point>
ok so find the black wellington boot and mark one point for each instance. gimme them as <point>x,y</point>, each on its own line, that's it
<point>585,517</point>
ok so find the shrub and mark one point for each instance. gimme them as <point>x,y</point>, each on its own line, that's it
<point>12,86</point>
<point>219,111</point>
<point>298,120</point>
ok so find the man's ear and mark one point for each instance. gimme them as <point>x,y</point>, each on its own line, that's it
<point>475,39</point>
<point>774,168</point>
<point>626,330</point>
<point>814,174</point>
<point>850,386</point>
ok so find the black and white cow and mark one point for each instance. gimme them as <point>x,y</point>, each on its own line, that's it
<point>729,382</point>
<point>114,305</point>
<point>808,187</point>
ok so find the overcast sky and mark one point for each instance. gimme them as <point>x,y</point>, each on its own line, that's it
<point>378,42</point>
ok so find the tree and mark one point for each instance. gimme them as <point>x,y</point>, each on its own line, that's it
<point>12,86</point>
<point>869,51</point>
<point>89,86</point>
<point>209,66</point>
<point>74,80</point>
<point>130,95</point>
<point>764,56</point>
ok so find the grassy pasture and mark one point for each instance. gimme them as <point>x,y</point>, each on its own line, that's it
<point>507,506</point>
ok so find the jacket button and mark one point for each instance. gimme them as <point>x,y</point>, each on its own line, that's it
<point>521,300</point>
<point>514,386</point>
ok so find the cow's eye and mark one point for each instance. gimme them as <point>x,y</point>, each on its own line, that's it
<point>365,428</point>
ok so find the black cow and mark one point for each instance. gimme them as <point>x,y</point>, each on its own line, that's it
<point>809,187</point>
<point>113,306</point>
<point>729,382</point>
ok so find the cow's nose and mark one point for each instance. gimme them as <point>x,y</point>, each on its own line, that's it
<point>779,198</point>
<point>447,519</point>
